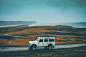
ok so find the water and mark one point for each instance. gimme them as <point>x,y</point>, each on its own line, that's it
<point>14,25</point>
<point>75,24</point>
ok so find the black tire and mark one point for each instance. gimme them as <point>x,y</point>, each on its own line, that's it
<point>33,48</point>
<point>50,47</point>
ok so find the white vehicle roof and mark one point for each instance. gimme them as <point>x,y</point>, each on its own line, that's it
<point>43,37</point>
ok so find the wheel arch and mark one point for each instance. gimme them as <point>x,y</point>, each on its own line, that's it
<point>50,44</point>
<point>33,45</point>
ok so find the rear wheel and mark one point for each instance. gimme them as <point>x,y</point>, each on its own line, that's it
<point>50,47</point>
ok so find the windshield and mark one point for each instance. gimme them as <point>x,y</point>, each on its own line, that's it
<point>36,39</point>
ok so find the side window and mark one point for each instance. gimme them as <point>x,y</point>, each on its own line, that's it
<point>45,40</point>
<point>51,40</point>
<point>41,40</point>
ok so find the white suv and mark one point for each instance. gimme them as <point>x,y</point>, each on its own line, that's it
<point>47,42</point>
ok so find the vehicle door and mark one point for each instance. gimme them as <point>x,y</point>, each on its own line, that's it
<point>40,43</point>
<point>52,41</point>
<point>45,42</point>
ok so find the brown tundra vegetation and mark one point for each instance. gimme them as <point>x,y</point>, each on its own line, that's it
<point>34,31</point>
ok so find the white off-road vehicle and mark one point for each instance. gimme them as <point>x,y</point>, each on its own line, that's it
<point>46,42</point>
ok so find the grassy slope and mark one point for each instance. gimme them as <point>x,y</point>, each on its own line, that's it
<point>41,31</point>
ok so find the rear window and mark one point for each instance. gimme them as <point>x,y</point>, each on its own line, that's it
<point>46,40</point>
<point>51,40</point>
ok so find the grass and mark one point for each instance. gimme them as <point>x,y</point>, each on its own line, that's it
<point>35,31</point>
<point>4,41</point>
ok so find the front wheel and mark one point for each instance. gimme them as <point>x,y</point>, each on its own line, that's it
<point>33,48</point>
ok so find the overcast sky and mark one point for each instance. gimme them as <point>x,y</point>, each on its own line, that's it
<point>43,11</point>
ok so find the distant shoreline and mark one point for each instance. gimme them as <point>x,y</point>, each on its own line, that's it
<point>75,25</point>
<point>7,23</point>
<point>14,25</point>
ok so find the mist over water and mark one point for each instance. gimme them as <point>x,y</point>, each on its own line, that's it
<point>76,24</point>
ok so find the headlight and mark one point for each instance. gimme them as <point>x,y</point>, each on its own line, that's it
<point>29,44</point>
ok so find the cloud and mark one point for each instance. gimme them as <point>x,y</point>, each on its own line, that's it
<point>63,4</point>
<point>42,9</point>
<point>56,3</point>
